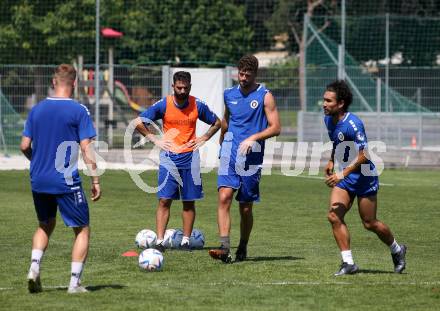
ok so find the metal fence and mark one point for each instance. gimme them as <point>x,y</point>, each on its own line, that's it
<point>396,130</point>
<point>412,89</point>
<point>124,92</point>
<point>133,88</point>
<point>402,51</point>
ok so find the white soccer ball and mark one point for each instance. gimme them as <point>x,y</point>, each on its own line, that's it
<point>146,239</point>
<point>151,260</point>
<point>197,239</point>
<point>167,237</point>
<point>176,238</point>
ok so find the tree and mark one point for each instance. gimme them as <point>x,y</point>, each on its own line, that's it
<point>184,31</point>
<point>51,32</point>
<point>412,29</point>
<point>42,32</point>
<point>257,13</point>
<point>289,17</point>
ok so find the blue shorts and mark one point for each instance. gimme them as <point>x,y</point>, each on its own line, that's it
<point>73,207</point>
<point>190,188</point>
<point>248,186</point>
<point>365,186</point>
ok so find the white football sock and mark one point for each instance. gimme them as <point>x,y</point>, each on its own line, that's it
<point>159,241</point>
<point>185,240</point>
<point>395,248</point>
<point>347,257</point>
<point>36,256</point>
<point>77,268</point>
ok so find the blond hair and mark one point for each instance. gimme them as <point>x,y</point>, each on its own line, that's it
<point>65,74</point>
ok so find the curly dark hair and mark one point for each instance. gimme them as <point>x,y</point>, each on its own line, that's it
<point>342,91</point>
<point>184,76</point>
<point>248,63</point>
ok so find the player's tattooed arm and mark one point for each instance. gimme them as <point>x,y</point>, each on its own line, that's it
<point>200,141</point>
<point>224,125</point>
<point>213,129</point>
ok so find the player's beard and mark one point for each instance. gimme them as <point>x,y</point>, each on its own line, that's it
<point>244,84</point>
<point>182,97</point>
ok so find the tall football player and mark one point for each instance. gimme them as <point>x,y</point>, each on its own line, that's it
<point>251,117</point>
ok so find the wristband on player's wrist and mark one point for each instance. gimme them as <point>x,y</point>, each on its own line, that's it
<point>95,182</point>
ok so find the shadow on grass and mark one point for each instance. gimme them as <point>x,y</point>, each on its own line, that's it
<point>207,248</point>
<point>370,271</point>
<point>95,288</point>
<point>273,258</point>
<point>91,288</point>
<point>192,249</point>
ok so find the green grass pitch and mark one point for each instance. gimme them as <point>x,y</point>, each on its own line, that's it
<point>292,252</point>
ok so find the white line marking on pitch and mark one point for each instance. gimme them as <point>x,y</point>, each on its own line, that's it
<point>317,283</point>
<point>322,178</point>
<point>49,287</point>
<point>352,283</point>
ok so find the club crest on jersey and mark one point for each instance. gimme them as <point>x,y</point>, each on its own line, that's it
<point>254,104</point>
<point>341,136</point>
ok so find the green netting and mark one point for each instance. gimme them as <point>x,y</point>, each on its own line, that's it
<point>11,126</point>
<point>322,68</point>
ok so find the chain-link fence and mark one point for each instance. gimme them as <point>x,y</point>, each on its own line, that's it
<point>132,89</point>
<point>136,88</point>
<point>393,56</point>
<point>401,131</point>
<point>391,60</point>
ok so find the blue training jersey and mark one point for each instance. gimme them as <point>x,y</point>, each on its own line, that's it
<point>56,127</point>
<point>349,135</point>
<point>158,111</point>
<point>246,117</point>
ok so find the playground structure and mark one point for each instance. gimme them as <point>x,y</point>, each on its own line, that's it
<point>117,108</point>
<point>126,101</point>
<point>114,95</point>
<point>120,96</point>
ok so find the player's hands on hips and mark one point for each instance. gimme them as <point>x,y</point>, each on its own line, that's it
<point>164,144</point>
<point>196,143</point>
<point>96,192</point>
<point>329,168</point>
<point>334,179</point>
<point>246,146</point>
